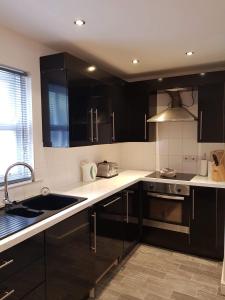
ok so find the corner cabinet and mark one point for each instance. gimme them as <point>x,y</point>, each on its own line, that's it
<point>207,222</point>
<point>211,113</point>
<point>77,104</point>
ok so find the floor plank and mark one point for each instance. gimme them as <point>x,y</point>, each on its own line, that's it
<point>151,273</point>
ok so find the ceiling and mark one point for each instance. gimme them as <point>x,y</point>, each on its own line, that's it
<point>157,32</point>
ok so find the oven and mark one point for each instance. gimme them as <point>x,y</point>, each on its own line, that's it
<point>166,207</point>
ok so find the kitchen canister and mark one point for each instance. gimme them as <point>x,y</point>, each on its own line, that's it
<point>203,166</point>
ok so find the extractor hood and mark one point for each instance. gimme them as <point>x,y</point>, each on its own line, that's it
<point>175,112</point>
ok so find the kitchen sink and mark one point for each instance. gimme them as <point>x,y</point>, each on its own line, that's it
<point>51,202</point>
<point>24,212</point>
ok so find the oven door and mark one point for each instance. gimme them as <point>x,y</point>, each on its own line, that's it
<point>166,212</point>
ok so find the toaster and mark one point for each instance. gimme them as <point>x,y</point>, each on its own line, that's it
<point>107,169</point>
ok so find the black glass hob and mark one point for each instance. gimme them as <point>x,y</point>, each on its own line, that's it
<point>179,176</point>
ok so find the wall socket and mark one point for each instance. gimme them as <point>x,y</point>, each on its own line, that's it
<point>190,158</point>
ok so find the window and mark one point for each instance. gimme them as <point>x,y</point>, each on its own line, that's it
<point>16,143</point>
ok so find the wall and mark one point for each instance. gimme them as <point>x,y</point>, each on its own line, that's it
<point>177,145</point>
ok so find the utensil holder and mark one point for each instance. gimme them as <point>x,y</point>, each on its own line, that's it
<point>218,172</point>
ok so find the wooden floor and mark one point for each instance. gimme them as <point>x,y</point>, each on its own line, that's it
<point>154,274</point>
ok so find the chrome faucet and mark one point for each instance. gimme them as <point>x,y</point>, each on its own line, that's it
<point>6,198</point>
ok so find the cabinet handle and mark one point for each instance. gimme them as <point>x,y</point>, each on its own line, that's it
<point>201,116</point>
<point>127,198</point>
<point>94,247</point>
<point>216,218</point>
<point>92,129</point>
<point>113,127</point>
<point>145,127</point>
<point>7,294</point>
<point>6,263</point>
<point>96,124</point>
<point>193,204</point>
<point>111,202</point>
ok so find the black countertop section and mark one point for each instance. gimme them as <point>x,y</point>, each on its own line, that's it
<point>10,223</point>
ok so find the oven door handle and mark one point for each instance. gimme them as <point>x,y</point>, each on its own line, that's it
<point>164,196</point>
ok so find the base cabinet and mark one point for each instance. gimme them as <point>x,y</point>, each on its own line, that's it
<point>22,268</point>
<point>69,265</point>
<point>207,222</point>
<point>132,217</point>
<point>107,234</point>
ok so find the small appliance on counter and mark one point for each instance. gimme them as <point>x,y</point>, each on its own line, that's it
<point>168,173</point>
<point>107,169</point>
<point>218,170</point>
<point>89,171</point>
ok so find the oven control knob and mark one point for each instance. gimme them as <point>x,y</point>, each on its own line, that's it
<point>151,186</point>
<point>179,190</point>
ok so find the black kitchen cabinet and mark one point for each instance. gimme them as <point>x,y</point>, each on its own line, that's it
<point>207,222</point>
<point>22,268</point>
<point>211,113</point>
<point>132,217</point>
<point>69,264</point>
<point>76,104</point>
<point>107,234</point>
<point>140,105</point>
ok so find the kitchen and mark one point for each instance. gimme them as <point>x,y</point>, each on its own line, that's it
<point>137,146</point>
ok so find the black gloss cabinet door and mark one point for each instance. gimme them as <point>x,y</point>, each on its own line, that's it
<point>206,222</point>
<point>107,233</point>
<point>211,113</point>
<point>69,259</point>
<point>132,217</point>
<point>55,108</point>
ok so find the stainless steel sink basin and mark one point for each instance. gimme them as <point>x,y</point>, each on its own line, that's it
<point>51,202</point>
<point>24,212</point>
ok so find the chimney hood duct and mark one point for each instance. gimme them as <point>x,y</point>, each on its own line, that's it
<point>176,112</point>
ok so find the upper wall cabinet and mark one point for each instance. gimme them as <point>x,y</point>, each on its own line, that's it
<point>77,105</point>
<point>211,113</point>
<point>140,105</point>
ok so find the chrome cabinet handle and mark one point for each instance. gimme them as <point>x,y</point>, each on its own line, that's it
<point>6,263</point>
<point>96,124</point>
<point>162,196</point>
<point>92,129</point>
<point>201,116</point>
<point>94,247</point>
<point>113,127</point>
<point>127,198</point>
<point>193,204</point>
<point>145,127</point>
<point>7,294</point>
<point>111,202</point>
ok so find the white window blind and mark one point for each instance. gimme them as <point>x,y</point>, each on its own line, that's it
<point>16,142</point>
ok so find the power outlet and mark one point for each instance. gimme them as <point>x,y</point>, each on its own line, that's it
<point>190,158</point>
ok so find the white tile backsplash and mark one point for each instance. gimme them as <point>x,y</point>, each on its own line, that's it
<point>177,139</point>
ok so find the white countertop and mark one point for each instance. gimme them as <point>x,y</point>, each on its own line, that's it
<point>94,192</point>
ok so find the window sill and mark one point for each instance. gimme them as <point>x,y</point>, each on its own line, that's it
<point>19,184</point>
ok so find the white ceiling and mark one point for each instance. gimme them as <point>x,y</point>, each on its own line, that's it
<point>158,32</point>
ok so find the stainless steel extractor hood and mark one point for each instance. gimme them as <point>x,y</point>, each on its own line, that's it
<point>175,112</point>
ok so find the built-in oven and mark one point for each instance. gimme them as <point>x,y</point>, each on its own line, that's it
<point>166,207</point>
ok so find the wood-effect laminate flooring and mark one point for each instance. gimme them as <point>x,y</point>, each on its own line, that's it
<point>151,273</point>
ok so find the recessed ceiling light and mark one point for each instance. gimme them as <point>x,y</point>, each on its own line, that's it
<point>91,69</point>
<point>202,74</point>
<point>79,22</point>
<point>189,53</point>
<point>160,79</point>
<point>135,61</point>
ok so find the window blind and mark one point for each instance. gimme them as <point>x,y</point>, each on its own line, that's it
<point>16,142</point>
